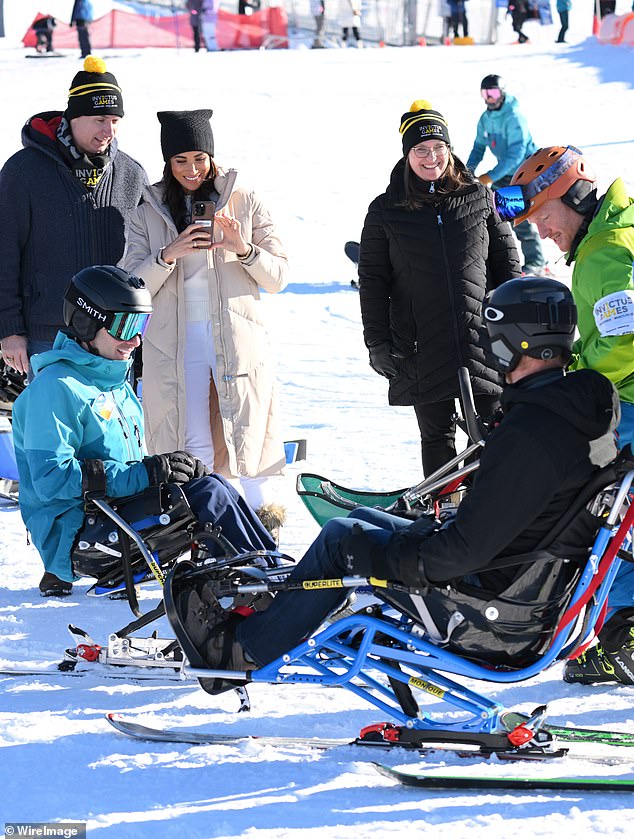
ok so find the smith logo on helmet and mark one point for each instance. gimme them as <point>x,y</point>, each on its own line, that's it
<point>90,310</point>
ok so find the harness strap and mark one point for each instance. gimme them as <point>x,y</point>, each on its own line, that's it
<point>93,477</point>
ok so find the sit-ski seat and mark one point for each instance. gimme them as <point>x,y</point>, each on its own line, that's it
<point>160,515</point>
<point>513,628</point>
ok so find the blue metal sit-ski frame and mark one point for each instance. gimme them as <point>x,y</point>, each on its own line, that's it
<point>353,653</point>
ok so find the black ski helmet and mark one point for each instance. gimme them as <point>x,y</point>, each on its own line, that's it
<point>533,316</point>
<point>97,295</point>
<point>493,81</point>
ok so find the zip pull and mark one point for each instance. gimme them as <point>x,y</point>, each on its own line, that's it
<point>125,433</point>
<point>439,218</point>
<point>137,434</point>
<point>432,187</point>
<point>229,378</point>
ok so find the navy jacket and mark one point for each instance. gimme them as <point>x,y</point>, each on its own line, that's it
<point>53,226</point>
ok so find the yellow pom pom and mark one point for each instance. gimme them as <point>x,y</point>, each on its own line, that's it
<point>421,105</point>
<point>92,64</point>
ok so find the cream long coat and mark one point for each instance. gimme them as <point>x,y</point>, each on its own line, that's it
<point>243,408</point>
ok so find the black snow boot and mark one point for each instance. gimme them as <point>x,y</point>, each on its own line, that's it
<point>52,586</point>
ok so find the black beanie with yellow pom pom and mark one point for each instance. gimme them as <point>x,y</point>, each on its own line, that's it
<point>422,123</point>
<point>94,92</point>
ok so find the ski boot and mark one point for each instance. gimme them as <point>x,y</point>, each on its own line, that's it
<point>612,660</point>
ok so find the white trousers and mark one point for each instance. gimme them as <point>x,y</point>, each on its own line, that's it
<point>200,368</point>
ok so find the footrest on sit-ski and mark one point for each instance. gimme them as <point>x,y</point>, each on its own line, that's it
<point>117,588</point>
<point>134,652</point>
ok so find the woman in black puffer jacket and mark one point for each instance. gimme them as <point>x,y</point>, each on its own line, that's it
<point>432,246</point>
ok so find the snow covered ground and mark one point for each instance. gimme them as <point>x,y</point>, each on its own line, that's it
<point>316,134</point>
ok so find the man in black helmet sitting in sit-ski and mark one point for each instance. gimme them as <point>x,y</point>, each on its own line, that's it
<point>78,427</point>
<point>557,432</point>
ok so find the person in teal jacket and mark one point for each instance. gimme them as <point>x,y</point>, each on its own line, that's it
<point>503,130</point>
<point>78,427</point>
<point>556,188</point>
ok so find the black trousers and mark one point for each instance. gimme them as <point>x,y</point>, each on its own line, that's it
<point>84,37</point>
<point>563,17</point>
<point>438,432</point>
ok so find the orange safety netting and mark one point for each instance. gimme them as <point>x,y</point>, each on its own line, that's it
<point>124,29</point>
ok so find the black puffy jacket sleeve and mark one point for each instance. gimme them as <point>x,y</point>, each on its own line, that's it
<point>375,279</point>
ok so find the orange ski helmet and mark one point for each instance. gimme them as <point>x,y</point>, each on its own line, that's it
<point>554,172</point>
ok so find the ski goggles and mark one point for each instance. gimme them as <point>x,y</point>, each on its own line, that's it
<point>514,201</point>
<point>491,93</point>
<point>510,202</point>
<point>125,326</point>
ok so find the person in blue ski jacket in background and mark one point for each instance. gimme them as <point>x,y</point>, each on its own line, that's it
<point>503,130</point>
<point>78,427</point>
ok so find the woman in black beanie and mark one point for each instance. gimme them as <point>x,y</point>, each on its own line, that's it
<point>432,246</point>
<point>208,380</point>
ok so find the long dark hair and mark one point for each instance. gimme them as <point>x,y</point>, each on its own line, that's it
<point>174,194</point>
<point>417,193</point>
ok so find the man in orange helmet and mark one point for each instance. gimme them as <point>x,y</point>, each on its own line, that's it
<point>556,188</point>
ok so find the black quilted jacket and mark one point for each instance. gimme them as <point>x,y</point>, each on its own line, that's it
<point>423,275</point>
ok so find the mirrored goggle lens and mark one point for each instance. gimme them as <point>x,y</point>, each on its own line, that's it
<point>126,325</point>
<point>491,93</point>
<point>510,202</point>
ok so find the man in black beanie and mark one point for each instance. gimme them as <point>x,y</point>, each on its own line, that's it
<point>65,201</point>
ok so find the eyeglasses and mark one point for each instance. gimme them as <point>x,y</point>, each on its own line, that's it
<point>127,325</point>
<point>426,153</point>
<point>491,93</point>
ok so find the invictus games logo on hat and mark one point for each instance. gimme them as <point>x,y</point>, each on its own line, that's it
<point>104,101</point>
<point>94,92</point>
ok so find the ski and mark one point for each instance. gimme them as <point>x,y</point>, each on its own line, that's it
<point>415,778</point>
<point>198,738</point>
<point>98,673</point>
<point>433,745</point>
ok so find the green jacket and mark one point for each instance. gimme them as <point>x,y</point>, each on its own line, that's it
<point>603,288</point>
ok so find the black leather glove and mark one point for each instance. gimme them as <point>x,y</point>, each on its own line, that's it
<point>382,360</point>
<point>174,468</point>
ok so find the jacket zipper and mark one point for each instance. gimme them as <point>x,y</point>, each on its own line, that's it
<point>226,378</point>
<point>452,301</point>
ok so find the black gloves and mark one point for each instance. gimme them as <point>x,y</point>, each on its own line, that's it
<point>382,360</point>
<point>396,560</point>
<point>174,468</point>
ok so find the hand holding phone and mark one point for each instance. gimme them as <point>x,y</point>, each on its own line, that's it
<point>203,213</point>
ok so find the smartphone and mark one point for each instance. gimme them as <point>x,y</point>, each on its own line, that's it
<point>203,213</point>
